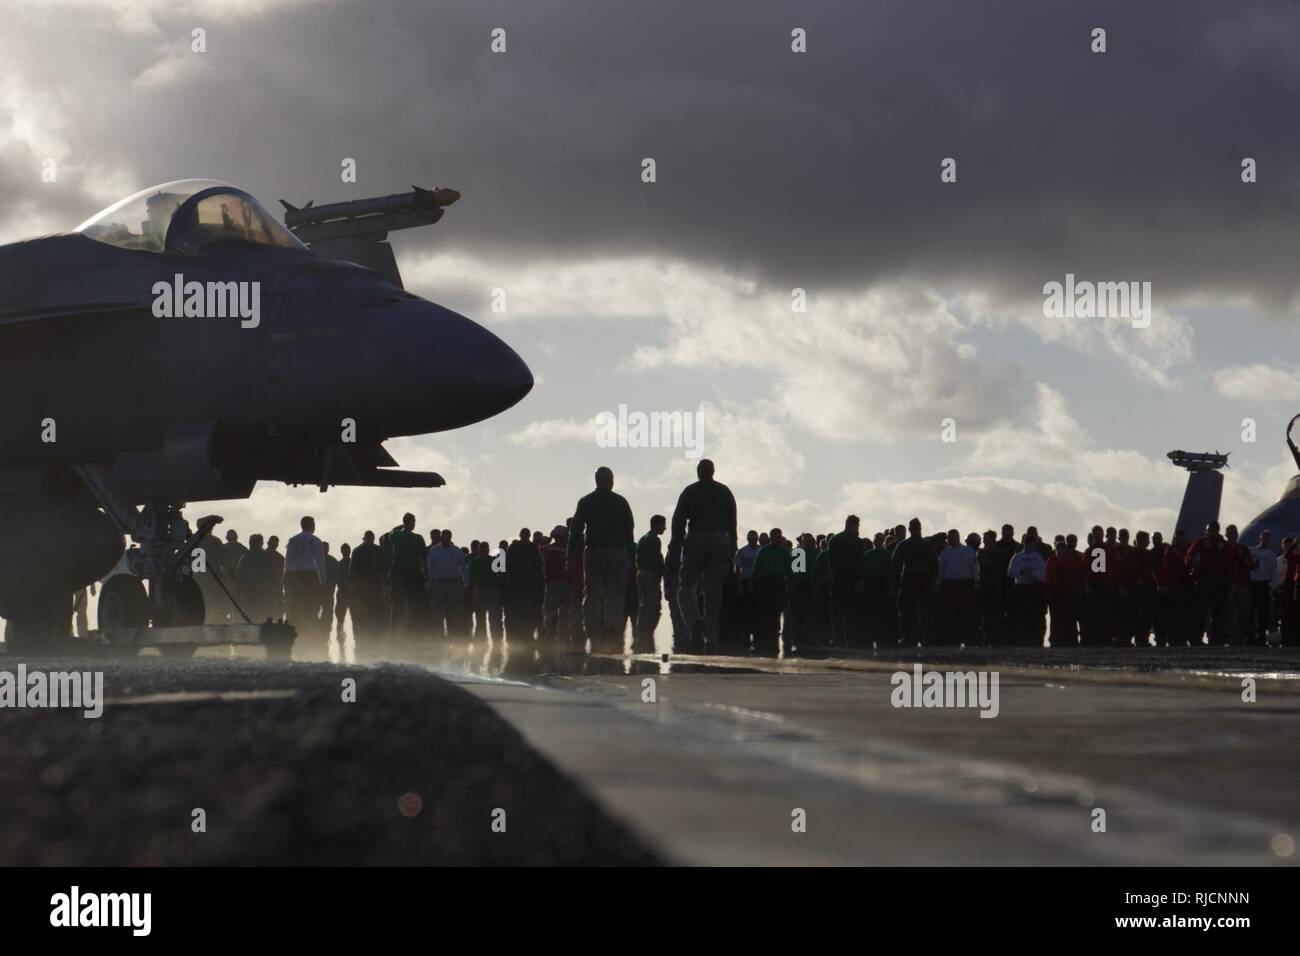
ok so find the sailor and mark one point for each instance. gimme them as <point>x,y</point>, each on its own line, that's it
<point>649,580</point>
<point>304,577</point>
<point>366,576</point>
<point>1261,588</point>
<point>257,583</point>
<point>603,522</point>
<point>704,527</point>
<point>446,569</point>
<point>558,619</point>
<point>406,575</point>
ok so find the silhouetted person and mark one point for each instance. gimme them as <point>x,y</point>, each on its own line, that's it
<point>801,608</point>
<point>446,572</point>
<point>649,580</point>
<point>1140,575</point>
<point>304,578</point>
<point>743,563</point>
<point>525,583</point>
<point>366,577</point>
<point>914,566</point>
<point>273,547</point>
<point>847,568</point>
<point>330,590</point>
<point>559,607</point>
<point>672,581</point>
<point>257,583</point>
<point>234,552</point>
<point>957,579</point>
<point>1237,611</point>
<point>1262,577</point>
<point>1028,574</point>
<point>406,576</point>
<point>704,526</point>
<point>880,624</point>
<point>485,584</point>
<point>602,527</point>
<point>341,598</point>
<point>771,571</point>
<point>1064,583</point>
<point>1209,559</point>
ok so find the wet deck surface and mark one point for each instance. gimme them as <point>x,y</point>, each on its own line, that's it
<point>285,772</point>
<point>715,769</point>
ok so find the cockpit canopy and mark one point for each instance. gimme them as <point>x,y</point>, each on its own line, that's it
<point>188,217</point>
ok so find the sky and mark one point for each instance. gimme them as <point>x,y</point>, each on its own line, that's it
<point>775,170</point>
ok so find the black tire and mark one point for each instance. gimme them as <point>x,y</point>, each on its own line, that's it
<point>123,602</point>
<point>182,604</point>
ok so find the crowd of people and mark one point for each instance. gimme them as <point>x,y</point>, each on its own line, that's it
<point>589,579</point>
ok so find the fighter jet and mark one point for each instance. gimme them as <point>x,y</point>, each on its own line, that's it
<point>1283,518</point>
<point>182,345</point>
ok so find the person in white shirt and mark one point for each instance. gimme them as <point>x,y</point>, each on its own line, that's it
<point>446,565</point>
<point>959,573</point>
<point>304,579</point>
<point>1261,589</point>
<point>1028,574</point>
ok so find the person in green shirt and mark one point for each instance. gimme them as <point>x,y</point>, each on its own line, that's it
<point>771,569</point>
<point>649,581</point>
<point>821,568</point>
<point>704,527</point>
<point>844,556</point>
<point>328,590</point>
<point>602,522</point>
<point>485,587</point>
<point>800,610</point>
<point>406,574</point>
<point>234,552</point>
<point>880,619</point>
<point>914,567</point>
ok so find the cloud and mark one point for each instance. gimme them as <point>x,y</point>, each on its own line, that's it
<point>1056,444</point>
<point>818,170</point>
<point>546,433</point>
<point>1261,381</point>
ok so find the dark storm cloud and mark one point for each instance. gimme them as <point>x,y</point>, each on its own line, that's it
<point>815,169</point>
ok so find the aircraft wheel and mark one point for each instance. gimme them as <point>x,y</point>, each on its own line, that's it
<point>182,604</point>
<point>123,603</point>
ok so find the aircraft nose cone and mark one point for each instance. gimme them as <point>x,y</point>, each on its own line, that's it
<point>501,377</point>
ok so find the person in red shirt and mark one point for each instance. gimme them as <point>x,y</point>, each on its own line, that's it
<point>1209,560</point>
<point>1140,585</point>
<point>1173,593</point>
<point>1065,579</point>
<point>1288,613</point>
<point>1101,590</point>
<point>1237,611</point>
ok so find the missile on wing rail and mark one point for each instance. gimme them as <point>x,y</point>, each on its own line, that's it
<point>1198,460</point>
<point>357,230</point>
<point>370,219</point>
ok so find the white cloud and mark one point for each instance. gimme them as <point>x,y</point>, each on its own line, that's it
<point>1259,381</point>
<point>1058,445</point>
<point>880,363</point>
<point>1151,354</point>
<point>546,433</point>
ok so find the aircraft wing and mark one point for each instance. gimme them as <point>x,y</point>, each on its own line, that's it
<point>65,311</point>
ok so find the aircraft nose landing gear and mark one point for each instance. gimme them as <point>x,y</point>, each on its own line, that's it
<point>159,603</point>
